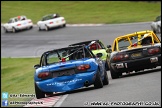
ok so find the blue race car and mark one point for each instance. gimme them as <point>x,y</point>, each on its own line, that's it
<point>67,69</point>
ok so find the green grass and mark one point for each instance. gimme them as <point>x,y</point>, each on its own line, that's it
<point>17,76</point>
<point>76,12</point>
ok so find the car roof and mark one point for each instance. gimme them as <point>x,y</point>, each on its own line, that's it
<point>50,15</point>
<point>135,33</point>
<point>84,42</point>
<point>64,48</point>
<point>17,17</point>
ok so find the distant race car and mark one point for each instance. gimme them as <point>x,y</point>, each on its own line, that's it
<point>156,25</point>
<point>67,69</point>
<point>18,23</point>
<point>98,47</point>
<point>51,21</point>
<point>135,52</point>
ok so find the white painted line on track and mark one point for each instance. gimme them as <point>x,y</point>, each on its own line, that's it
<point>43,102</point>
<point>58,103</point>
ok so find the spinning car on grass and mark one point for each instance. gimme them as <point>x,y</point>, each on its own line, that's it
<point>97,47</point>
<point>51,21</point>
<point>134,52</point>
<point>18,23</point>
<point>67,69</point>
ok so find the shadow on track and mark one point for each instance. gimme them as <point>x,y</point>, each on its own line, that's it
<point>141,72</point>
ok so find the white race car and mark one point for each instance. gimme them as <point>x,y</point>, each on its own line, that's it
<point>51,21</point>
<point>18,23</point>
<point>156,25</point>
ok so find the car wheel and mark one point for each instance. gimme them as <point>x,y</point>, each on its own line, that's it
<point>39,29</point>
<point>114,74</point>
<point>38,92</point>
<point>5,30</point>
<point>106,80</point>
<point>49,93</point>
<point>64,25</point>
<point>46,28</point>
<point>13,30</point>
<point>31,27</point>
<point>98,81</point>
<point>106,66</point>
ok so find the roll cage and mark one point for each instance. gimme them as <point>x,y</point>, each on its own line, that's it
<point>66,54</point>
<point>127,41</point>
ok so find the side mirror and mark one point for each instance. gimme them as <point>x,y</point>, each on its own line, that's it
<point>99,55</point>
<point>36,66</point>
<point>108,46</point>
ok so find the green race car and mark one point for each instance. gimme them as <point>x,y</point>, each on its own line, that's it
<point>98,47</point>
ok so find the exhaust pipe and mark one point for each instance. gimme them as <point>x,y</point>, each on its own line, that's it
<point>86,83</point>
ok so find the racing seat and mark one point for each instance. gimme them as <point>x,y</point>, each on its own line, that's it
<point>79,55</point>
<point>94,47</point>
<point>146,41</point>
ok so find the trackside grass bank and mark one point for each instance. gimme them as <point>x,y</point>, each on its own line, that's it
<point>17,77</point>
<point>80,12</point>
<point>17,74</point>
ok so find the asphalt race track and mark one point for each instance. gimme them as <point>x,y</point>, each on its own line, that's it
<point>34,42</point>
<point>139,89</point>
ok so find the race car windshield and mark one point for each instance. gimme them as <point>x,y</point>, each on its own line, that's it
<point>10,21</point>
<point>73,53</point>
<point>144,40</point>
<point>123,43</point>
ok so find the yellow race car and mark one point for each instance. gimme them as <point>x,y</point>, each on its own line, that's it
<point>135,52</point>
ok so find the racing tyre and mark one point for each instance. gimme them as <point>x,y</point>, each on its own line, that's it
<point>106,66</point>
<point>38,92</point>
<point>5,30</point>
<point>46,28</point>
<point>64,25</point>
<point>30,27</point>
<point>49,93</point>
<point>39,29</point>
<point>114,74</point>
<point>13,30</point>
<point>98,81</point>
<point>106,80</point>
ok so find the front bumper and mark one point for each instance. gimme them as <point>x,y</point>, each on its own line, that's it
<point>66,83</point>
<point>137,64</point>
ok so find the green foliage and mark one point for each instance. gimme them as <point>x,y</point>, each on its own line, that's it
<point>76,12</point>
<point>17,76</point>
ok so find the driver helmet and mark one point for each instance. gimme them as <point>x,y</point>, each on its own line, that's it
<point>19,17</point>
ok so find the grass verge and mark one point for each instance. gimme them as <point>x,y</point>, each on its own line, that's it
<point>76,12</point>
<point>17,76</point>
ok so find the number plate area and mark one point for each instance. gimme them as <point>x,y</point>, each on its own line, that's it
<point>120,65</point>
<point>154,59</point>
<point>66,72</point>
<point>136,55</point>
